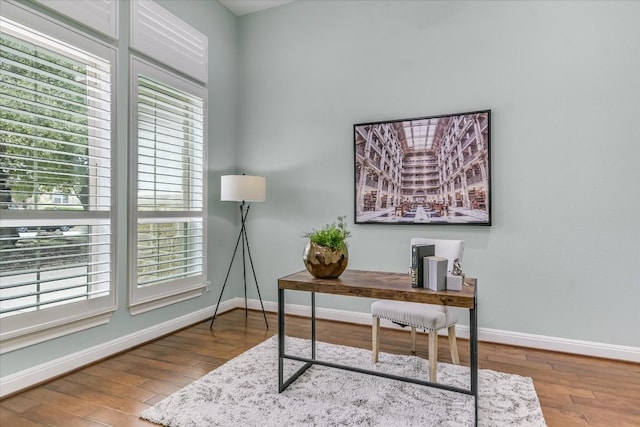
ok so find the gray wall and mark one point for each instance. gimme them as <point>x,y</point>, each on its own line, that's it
<point>220,26</point>
<point>562,80</point>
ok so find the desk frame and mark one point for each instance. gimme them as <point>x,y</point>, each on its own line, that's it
<point>379,285</point>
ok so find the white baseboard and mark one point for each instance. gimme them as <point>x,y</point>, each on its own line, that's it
<point>542,342</point>
<point>13,383</point>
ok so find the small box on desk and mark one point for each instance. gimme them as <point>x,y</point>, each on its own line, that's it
<point>435,273</point>
<point>454,283</point>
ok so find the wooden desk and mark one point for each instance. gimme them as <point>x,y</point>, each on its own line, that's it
<point>378,285</point>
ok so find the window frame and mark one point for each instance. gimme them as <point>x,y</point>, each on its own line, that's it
<point>143,299</point>
<point>159,34</point>
<point>25,329</point>
<point>101,16</point>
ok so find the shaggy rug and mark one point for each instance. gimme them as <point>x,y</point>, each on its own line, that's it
<point>244,392</point>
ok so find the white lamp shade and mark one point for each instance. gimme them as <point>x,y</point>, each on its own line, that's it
<point>243,188</point>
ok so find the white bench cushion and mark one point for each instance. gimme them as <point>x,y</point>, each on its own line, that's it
<point>413,314</point>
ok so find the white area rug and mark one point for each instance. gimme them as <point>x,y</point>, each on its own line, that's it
<point>244,392</point>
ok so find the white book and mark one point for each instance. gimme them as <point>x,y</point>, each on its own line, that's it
<point>435,272</point>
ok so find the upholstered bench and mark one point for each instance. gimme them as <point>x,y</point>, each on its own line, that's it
<point>429,317</point>
<point>417,316</point>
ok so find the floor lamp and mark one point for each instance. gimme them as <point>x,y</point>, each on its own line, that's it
<point>243,189</point>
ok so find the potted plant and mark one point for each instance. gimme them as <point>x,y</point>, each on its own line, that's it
<point>326,255</point>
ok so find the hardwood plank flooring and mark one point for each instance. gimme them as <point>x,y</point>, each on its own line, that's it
<point>573,390</point>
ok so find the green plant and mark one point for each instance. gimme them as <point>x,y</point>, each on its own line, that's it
<point>332,235</point>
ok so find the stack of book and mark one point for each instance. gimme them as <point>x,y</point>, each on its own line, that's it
<point>435,273</point>
<point>427,270</point>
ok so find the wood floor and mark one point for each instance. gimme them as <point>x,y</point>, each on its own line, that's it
<point>573,390</point>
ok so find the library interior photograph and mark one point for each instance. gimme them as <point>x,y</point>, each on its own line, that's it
<point>424,170</point>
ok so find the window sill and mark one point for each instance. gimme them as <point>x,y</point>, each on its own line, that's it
<point>87,321</point>
<point>163,301</point>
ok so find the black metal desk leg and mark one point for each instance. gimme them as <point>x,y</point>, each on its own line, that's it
<point>313,325</point>
<point>473,350</point>
<point>280,340</point>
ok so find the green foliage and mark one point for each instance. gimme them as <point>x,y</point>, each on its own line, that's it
<point>44,124</point>
<point>331,235</point>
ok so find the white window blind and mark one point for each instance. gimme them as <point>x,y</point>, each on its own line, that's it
<point>160,35</point>
<point>55,179</point>
<point>101,15</point>
<point>169,143</point>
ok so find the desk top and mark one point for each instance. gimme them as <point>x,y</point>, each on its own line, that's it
<point>380,285</point>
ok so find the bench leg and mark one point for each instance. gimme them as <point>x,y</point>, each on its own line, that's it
<point>413,340</point>
<point>453,345</point>
<point>433,356</point>
<point>375,338</point>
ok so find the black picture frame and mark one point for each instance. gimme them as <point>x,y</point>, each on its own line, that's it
<point>424,170</point>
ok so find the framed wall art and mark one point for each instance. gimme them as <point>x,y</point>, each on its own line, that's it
<point>425,170</point>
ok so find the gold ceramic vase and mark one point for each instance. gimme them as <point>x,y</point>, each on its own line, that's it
<point>323,262</point>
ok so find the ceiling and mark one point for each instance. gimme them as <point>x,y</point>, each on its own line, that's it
<point>242,7</point>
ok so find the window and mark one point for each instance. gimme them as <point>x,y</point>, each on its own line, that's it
<point>168,145</point>
<point>101,15</point>
<point>160,35</point>
<point>55,179</point>
<point>168,192</point>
